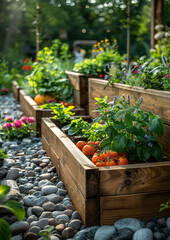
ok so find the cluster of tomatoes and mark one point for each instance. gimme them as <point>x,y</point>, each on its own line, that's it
<point>66,104</point>
<point>102,158</point>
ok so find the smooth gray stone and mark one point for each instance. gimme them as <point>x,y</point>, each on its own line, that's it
<point>37,211</point>
<point>17,237</point>
<point>87,233</point>
<point>40,201</point>
<point>13,174</point>
<point>46,190</point>
<point>75,223</point>
<point>76,215</point>
<point>104,233</point>
<point>56,199</point>
<point>44,182</point>
<point>19,227</point>
<point>41,223</point>
<point>14,193</point>
<point>38,194</point>
<point>50,196</point>
<point>49,206</point>
<point>131,223</point>
<point>143,234</point>
<point>35,229</point>
<point>32,218</point>
<point>29,200</point>
<point>8,162</point>
<point>62,217</point>
<point>46,215</point>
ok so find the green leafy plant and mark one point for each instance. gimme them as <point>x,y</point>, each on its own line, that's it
<point>164,206</point>
<point>46,233</point>
<point>48,76</point>
<point>63,114</point>
<point>105,56</point>
<point>12,206</point>
<point>130,129</point>
<point>77,127</point>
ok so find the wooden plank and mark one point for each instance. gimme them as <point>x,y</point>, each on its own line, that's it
<point>86,177</point>
<point>164,140</point>
<point>135,178</point>
<point>143,206</point>
<point>52,154</point>
<point>155,101</point>
<point>87,208</point>
<point>15,90</point>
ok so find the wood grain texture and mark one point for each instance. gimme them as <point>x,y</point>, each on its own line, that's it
<point>15,90</point>
<point>135,178</point>
<point>155,101</point>
<point>88,208</point>
<point>143,206</point>
<point>84,173</point>
<point>80,89</point>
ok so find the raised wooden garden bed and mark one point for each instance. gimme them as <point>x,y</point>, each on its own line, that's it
<point>31,109</point>
<point>15,90</point>
<point>158,102</point>
<point>103,195</point>
<point>80,92</point>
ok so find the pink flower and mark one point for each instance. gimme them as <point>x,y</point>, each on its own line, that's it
<point>18,124</point>
<point>168,64</point>
<point>50,100</point>
<point>167,75</point>
<point>31,120</point>
<point>4,90</point>
<point>24,119</point>
<point>8,125</point>
<point>9,119</point>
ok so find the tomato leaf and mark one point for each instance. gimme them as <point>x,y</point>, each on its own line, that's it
<point>143,153</point>
<point>119,143</point>
<point>157,126</point>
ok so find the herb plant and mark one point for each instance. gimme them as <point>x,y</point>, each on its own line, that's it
<point>63,114</point>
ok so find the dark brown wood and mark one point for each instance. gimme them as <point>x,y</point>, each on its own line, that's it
<point>142,205</point>
<point>80,89</point>
<point>31,109</point>
<point>103,195</point>
<point>15,90</point>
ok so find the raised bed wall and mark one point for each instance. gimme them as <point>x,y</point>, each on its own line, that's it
<point>31,109</point>
<point>103,195</point>
<point>15,90</point>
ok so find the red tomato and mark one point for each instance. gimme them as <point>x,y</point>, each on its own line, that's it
<point>122,161</point>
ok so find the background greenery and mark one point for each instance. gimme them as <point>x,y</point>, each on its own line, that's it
<point>100,18</point>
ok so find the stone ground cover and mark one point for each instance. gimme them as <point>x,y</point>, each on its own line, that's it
<point>34,183</point>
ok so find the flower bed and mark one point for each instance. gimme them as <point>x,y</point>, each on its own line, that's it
<point>30,108</point>
<point>103,195</point>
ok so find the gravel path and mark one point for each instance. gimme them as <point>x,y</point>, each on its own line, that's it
<point>35,184</point>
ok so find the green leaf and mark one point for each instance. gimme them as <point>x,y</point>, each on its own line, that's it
<point>119,126</point>
<point>157,126</point>
<point>110,131</point>
<point>156,151</point>
<point>98,119</point>
<point>66,127</point>
<point>104,142</point>
<point>4,190</point>
<point>133,130</point>
<point>5,231</point>
<point>119,143</point>
<point>131,143</point>
<point>128,120</point>
<point>143,153</point>
<point>16,208</point>
<point>119,113</point>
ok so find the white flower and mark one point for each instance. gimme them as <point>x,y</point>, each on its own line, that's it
<point>159,27</point>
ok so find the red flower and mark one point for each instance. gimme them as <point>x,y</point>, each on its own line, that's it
<point>135,72</point>
<point>4,90</point>
<point>23,67</point>
<point>26,60</point>
<point>28,68</point>
<point>35,60</point>
<point>100,75</point>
